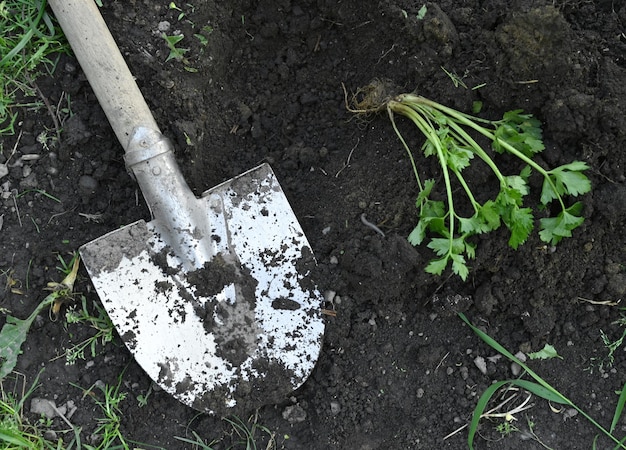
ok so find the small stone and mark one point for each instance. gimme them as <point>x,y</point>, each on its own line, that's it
<point>569,413</point>
<point>29,182</point>
<point>43,406</point>
<point>481,364</point>
<point>163,26</point>
<point>51,170</point>
<point>294,414</point>
<point>50,435</point>
<point>335,408</point>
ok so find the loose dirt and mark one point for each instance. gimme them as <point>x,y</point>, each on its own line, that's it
<point>264,84</point>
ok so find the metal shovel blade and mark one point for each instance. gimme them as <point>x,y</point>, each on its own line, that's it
<point>242,330</point>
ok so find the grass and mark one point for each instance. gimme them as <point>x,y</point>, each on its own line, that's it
<point>242,435</point>
<point>28,41</point>
<point>540,388</point>
<point>99,321</point>
<point>109,426</point>
<point>17,432</point>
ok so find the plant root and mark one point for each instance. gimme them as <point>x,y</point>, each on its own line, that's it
<point>370,99</point>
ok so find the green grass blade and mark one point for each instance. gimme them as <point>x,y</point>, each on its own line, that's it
<point>480,409</point>
<point>564,400</point>
<point>618,409</point>
<point>539,391</point>
<point>9,437</point>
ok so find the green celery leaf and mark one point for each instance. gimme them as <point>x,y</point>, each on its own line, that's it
<point>553,229</point>
<point>488,212</point>
<point>520,222</point>
<point>508,197</point>
<point>525,172</point>
<point>547,192</point>
<point>425,192</point>
<point>471,225</point>
<point>547,352</point>
<point>575,166</point>
<point>518,183</point>
<point>459,267</point>
<point>429,148</point>
<point>521,131</point>
<point>575,183</point>
<point>569,179</point>
<point>441,246</point>
<point>458,245</point>
<point>470,250</point>
<point>458,158</point>
<point>416,237</point>
<point>437,266</point>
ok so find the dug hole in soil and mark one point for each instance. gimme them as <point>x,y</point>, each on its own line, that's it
<point>397,369</point>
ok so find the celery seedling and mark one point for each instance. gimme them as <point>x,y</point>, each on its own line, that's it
<point>448,139</point>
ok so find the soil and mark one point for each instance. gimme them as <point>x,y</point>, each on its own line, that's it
<point>397,367</point>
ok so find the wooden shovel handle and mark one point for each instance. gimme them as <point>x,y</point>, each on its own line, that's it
<point>104,67</point>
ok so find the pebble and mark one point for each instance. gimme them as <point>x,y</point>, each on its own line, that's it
<point>50,435</point>
<point>163,26</point>
<point>43,406</point>
<point>479,362</point>
<point>294,414</point>
<point>335,408</point>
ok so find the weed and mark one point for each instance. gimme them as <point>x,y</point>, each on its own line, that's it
<point>539,387</point>
<point>100,321</point>
<point>28,39</point>
<point>15,431</point>
<point>246,434</point>
<point>14,331</point>
<point>456,80</point>
<point>142,400</point>
<point>38,191</point>
<point>449,140</point>
<point>197,442</point>
<point>175,52</point>
<point>63,292</point>
<point>108,429</point>
<point>611,346</point>
<point>66,267</point>
<point>421,13</point>
<point>243,435</point>
<point>12,284</point>
<point>203,36</point>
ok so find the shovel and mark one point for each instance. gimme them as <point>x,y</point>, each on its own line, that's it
<point>213,296</point>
